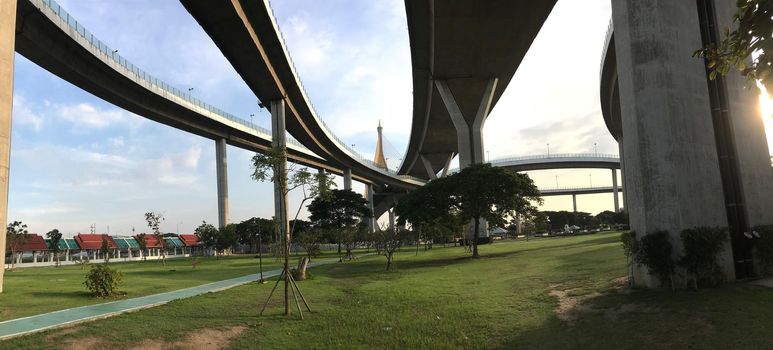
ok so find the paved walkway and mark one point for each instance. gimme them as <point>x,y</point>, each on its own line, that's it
<point>37,323</point>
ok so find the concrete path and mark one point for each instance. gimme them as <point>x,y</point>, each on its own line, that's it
<point>37,323</point>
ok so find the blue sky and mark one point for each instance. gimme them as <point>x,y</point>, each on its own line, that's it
<point>77,160</point>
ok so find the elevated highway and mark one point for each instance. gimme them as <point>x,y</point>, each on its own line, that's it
<point>464,54</point>
<point>247,34</point>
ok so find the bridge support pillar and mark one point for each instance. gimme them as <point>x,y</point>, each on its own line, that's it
<point>695,149</point>
<point>428,166</point>
<point>614,190</point>
<point>221,168</point>
<point>279,142</point>
<point>348,179</point>
<point>7,48</point>
<point>469,130</point>
<point>574,203</point>
<point>372,219</point>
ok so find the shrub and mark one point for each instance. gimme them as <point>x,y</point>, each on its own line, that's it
<point>763,248</point>
<point>702,246</point>
<point>102,280</point>
<point>630,244</point>
<point>654,252</point>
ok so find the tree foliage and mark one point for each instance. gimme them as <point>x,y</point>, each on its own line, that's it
<point>479,192</point>
<point>154,220</point>
<point>751,36</point>
<point>16,236</point>
<point>55,237</point>
<point>102,280</point>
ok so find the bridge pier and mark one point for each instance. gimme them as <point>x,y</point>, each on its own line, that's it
<point>614,190</point>
<point>7,48</point>
<point>278,141</point>
<point>221,168</point>
<point>372,218</point>
<point>348,179</point>
<point>574,202</point>
<point>695,149</point>
<point>469,130</point>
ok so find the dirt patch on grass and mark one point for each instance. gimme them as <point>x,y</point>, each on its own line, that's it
<point>572,306</point>
<point>200,339</point>
<point>61,332</point>
<point>87,343</point>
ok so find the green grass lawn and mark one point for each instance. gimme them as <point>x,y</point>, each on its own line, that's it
<point>35,290</point>
<point>439,299</point>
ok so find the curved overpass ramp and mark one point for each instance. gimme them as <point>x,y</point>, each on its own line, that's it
<point>246,33</point>
<point>48,36</point>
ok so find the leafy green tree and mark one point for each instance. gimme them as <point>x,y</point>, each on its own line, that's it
<point>490,193</point>
<point>142,242</point>
<point>250,230</point>
<point>207,235</point>
<point>226,238</point>
<point>752,35</point>
<point>16,237</point>
<point>55,237</point>
<point>105,248</point>
<point>340,210</point>
<point>154,223</point>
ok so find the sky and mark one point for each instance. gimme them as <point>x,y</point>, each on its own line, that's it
<point>78,161</point>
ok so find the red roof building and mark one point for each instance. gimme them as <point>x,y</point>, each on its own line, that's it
<point>150,240</point>
<point>33,242</point>
<point>94,242</point>
<point>190,240</point>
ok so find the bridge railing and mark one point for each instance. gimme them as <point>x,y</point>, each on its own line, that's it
<point>554,155</point>
<point>607,39</point>
<point>139,75</point>
<point>340,143</point>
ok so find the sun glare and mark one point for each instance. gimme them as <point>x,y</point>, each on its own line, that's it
<point>766,107</point>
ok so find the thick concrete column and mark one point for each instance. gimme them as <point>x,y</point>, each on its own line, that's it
<point>574,202</point>
<point>428,167</point>
<point>614,190</point>
<point>321,173</point>
<point>469,129</point>
<point>348,179</point>
<point>672,177</point>
<point>371,220</point>
<point>391,218</point>
<point>221,166</point>
<point>7,47</point>
<point>622,170</point>
<point>279,142</point>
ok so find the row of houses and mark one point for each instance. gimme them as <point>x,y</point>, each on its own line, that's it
<point>35,250</point>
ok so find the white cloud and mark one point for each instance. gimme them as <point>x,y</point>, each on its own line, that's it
<point>42,211</point>
<point>87,116</point>
<point>23,114</point>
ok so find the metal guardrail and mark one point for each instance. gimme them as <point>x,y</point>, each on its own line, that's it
<point>597,188</point>
<point>607,38</point>
<point>340,143</point>
<point>555,155</point>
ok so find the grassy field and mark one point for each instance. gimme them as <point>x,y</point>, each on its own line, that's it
<point>35,290</point>
<point>562,293</point>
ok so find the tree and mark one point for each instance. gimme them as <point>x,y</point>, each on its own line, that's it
<point>250,230</point>
<point>154,222</point>
<point>226,238</point>
<point>272,166</point>
<point>207,235</point>
<point>142,242</point>
<point>484,192</point>
<point>16,237</point>
<point>752,36</point>
<point>309,240</point>
<point>105,248</point>
<point>340,210</point>
<point>55,236</point>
